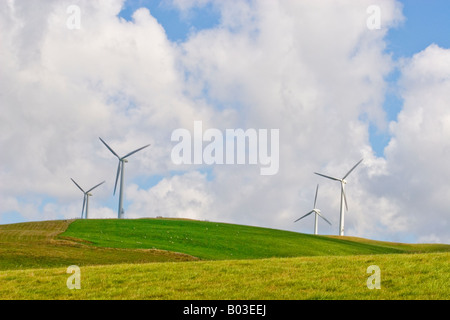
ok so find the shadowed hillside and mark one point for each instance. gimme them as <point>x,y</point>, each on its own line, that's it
<point>37,245</point>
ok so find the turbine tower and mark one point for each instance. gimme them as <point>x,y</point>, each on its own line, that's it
<point>86,198</point>
<point>120,171</point>
<point>317,214</point>
<point>343,197</point>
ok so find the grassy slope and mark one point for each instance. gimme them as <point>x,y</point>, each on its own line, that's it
<point>406,247</point>
<point>35,245</point>
<point>38,244</point>
<point>211,240</point>
<point>121,273</point>
<point>403,276</point>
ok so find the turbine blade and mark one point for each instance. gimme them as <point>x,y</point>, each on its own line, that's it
<point>133,152</point>
<point>84,203</point>
<point>320,215</point>
<point>315,198</point>
<point>95,187</point>
<point>117,176</point>
<point>305,215</point>
<point>77,185</point>
<point>345,198</point>
<point>352,168</point>
<point>109,147</point>
<point>327,176</point>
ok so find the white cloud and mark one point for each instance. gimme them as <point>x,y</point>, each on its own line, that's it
<point>311,69</point>
<point>185,196</point>
<point>276,66</point>
<point>186,5</point>
<point>418,153</point>
<point>111,78</point>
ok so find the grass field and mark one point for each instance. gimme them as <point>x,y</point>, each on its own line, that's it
<point>215,241</point>
<point>37,245</point>
<point>403,276</point>
<point>184,259</point>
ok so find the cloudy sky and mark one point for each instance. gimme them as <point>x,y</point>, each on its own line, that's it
<point>341,81</point>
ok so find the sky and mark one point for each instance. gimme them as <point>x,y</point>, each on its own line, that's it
<point>339,80</point>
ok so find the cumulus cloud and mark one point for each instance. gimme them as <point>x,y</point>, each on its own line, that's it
<point>313,70</point>
<point>418,153</point>
<point>277,65</point>
<point>110,78</point>
<point>181,196</point>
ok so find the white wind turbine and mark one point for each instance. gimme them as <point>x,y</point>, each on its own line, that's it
<point>343,197</point>
<point>317,214</point>
<point>120,169</point>
<point>86,198</point>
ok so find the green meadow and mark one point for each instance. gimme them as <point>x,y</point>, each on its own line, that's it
<point>186,259</point>
<point>215,241</point>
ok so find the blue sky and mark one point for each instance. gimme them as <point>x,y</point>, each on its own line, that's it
<point>176,25</point>
<point>427,21</point>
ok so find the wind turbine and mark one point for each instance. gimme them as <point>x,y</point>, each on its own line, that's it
<point>120,169</point>
<point>317,214</point>
<point>86,198</point>
<point>343,197</point>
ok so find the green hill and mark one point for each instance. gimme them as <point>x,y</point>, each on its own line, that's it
<point>37,245</point>
<point>218,241</point>
<point>49,244</point>
<point>241,262</point>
